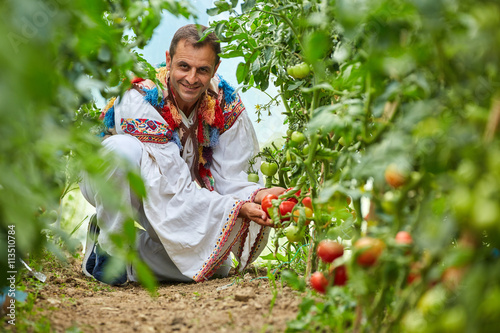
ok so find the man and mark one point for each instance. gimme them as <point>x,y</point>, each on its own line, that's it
<point>192,146</point>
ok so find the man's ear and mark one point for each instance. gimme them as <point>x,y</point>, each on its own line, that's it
<point>215,69</point>
<point>168,59</point>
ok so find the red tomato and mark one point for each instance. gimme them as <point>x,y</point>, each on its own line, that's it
<point>369,250</point>
<point>267,202</point>
<point>394,176</point>
<point>329,250</point>
<point>286,207</point>
<point>404,237</point>
<point>340,278</point>
<point>307,202</point>
<point>319,282</point>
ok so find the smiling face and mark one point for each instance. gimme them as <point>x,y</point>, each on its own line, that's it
<point>190,72</point>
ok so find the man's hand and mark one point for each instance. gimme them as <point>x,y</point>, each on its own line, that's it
<point>255,213</point>
<point>273,190</point>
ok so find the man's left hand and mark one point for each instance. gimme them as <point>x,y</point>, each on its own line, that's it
<point>255,213</point>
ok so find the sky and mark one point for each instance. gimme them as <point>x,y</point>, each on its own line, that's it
<point>271,127</point>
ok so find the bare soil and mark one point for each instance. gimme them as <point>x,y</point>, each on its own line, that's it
<point>239,303</point>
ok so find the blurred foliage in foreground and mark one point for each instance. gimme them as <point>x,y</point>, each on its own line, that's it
<point>53,55</point>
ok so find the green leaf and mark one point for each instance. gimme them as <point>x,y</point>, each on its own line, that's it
<point>137,184</point>
<point>248,6</point>
<point>213,11</point>
<point>146,277</point>
<point>316,46</point>
<point>241,72</point>
<point>293,280</point>
<point>129,231</point>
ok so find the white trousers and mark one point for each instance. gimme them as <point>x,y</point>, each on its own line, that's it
<point>110,219</point>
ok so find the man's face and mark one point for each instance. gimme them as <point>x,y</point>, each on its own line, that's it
<point>190,72</point>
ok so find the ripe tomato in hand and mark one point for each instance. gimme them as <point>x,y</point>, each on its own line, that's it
<point>369,250</point>
<point>319,282</point>
<point>286,207</point>
<point>329,250</point>
<point>267,202</point>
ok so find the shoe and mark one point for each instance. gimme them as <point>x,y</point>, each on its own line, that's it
<point>89,259</point>
<point>117,276</point>
<point>96,259</point>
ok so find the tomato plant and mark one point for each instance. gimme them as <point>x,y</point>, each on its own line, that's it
<point>399,113</point>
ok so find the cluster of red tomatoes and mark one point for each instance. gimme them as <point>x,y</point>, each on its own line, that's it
<point>367,250</point>
<point>288,209</point>
<point>328,251</point>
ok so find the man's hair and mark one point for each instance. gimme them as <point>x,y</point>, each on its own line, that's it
<point>192,34</point>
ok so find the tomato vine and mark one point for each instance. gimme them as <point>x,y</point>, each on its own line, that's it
<point>394,85</point>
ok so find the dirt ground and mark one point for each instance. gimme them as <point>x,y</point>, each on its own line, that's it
<point>71,302</point>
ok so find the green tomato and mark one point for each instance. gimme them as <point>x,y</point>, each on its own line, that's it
<point>253,177</point>
<point>302,70</point>
<point>297,138</point>
<point>293,234</point>
<point>269,168</point>
<point>291,71</point>
<point>305,150</point>
<point>299,71</point>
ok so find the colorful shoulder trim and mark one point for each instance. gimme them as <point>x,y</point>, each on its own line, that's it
<point>231,104</point>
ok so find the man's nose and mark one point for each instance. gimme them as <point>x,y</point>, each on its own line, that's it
<point>191,76</point>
